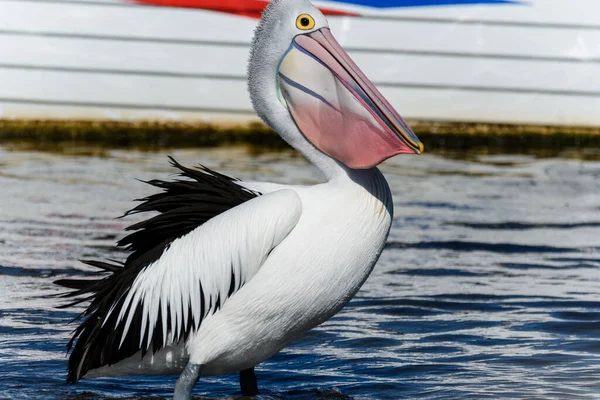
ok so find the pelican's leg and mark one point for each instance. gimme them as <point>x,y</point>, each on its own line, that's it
<point>248,382</point>
<point>186,382</point>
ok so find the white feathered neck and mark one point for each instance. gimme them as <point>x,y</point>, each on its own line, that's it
<point>272,38</point>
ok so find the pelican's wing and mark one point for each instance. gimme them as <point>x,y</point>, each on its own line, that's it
<point>167,299</point>
<point>198,272</point>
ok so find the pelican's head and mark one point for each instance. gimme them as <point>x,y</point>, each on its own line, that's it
<point>306,87</point>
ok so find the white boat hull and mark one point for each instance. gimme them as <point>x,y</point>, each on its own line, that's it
<point>536,62</point>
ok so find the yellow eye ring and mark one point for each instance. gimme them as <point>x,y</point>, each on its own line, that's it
<point>305,22</point>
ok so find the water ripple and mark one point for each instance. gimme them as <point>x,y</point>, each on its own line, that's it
<point>488,287</point>
<point>523,226</point>
<point>456,245</point>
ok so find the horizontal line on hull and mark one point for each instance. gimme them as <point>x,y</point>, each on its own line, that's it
<point>456,54</point>
<point>404,85</point>
<point>157,107</point>
<point>551,92</point>
<point>82,3</point>
<point>192,42</point>
<point>520,24</point>
<point>165,74</point>
<point>122,38</point>
<point>533,24</point>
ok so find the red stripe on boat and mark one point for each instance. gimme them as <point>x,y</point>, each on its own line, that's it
<point>247,8</point>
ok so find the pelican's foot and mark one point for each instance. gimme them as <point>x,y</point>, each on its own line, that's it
<point>186,382</point>
<point>248,382</point>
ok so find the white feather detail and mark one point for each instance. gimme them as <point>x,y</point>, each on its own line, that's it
<point>232,245</point>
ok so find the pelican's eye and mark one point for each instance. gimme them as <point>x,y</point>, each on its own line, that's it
<point>305,22</point>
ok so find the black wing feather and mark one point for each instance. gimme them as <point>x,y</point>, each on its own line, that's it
<point>183,205</point>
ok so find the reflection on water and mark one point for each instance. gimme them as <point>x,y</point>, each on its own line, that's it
<point>489,286</point>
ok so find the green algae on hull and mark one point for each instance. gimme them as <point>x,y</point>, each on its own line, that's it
<point>148,135</point>
<point>145,135</point>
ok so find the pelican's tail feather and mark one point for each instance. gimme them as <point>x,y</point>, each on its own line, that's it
<point>182,206</point>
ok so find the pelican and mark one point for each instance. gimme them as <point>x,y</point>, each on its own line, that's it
<point>228,272</point>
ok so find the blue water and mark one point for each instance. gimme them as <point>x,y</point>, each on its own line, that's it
<point>489,286</point>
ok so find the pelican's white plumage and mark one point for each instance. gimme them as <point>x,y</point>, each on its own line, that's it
<point>229,249</point>
<point>231,272</point>
<point>305,280</point>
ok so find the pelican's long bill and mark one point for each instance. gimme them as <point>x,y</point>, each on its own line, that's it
<point>336,107</point>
